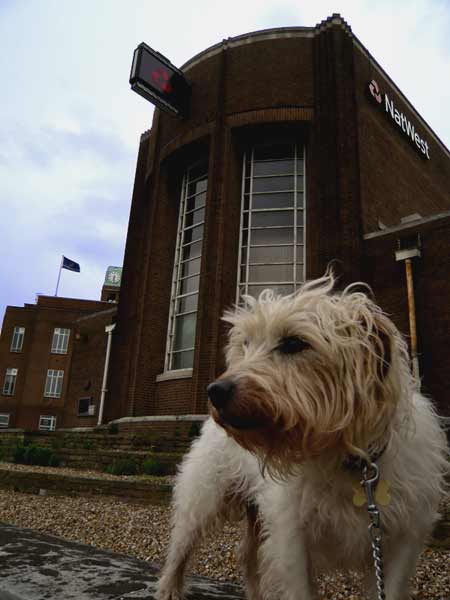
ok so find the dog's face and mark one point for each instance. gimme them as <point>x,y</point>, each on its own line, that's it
<point>308,374</point>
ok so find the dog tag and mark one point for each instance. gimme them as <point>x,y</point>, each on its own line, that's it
<point>382,495</point>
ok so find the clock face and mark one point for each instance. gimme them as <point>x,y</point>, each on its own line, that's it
<point>114,277</point>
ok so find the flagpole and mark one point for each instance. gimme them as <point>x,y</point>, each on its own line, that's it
<point>59,275</point>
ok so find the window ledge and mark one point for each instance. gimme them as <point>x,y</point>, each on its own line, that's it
<point>178,374</point>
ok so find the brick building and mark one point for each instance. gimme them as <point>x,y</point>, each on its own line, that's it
<point>52,358</point>
<point>298,150</point>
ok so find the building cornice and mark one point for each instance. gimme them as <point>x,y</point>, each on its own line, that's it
<point>409,225</point>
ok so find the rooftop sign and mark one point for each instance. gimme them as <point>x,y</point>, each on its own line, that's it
<point>155,78</point>
<point>399,119</point>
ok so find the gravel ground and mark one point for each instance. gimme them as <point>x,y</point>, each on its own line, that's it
<point>142,531</point>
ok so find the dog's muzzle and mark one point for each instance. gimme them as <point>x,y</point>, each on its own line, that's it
<point>220,392</point>
<point>221,395</point>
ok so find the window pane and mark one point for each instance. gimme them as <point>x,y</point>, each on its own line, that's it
<point>192,251</point>
<point>300,275</point>
<point>300,254</point>
<point>300,217</point>
<point>17,339</point>
<point>274,151</point>
<point>260,273</point>
<point>183,360</point>
<point>197,186</point>
<point>186,304</point>
<point>300,200</point>
<point>192,235</point>
<point>283,289</point>
<point>190,267</point>
<point>190,284</point>
<point>300,235</point>
<point>274,167</point>
<point>273,184</point>
<point>300,167</point>
<point>300,184</point>
<point>196,202</point>
<point>271,254</point>
<point>274,200</point>
<point>273,218</point>
<point>272,236</point>
<point>195,217</point>
<point>184,331</point>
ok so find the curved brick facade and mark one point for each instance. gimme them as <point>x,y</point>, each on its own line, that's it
<point>362,173</point>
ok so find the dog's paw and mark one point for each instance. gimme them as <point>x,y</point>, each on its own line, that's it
<point>167,591</point>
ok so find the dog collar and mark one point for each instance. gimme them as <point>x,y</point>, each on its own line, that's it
<point>357,463</point>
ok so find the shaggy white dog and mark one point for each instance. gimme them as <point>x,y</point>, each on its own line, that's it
<point>317,387</point>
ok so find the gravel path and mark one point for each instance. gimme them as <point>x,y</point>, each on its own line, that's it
<point>143,531</point>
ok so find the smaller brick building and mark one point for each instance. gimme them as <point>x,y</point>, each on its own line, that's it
<point>52,360</point>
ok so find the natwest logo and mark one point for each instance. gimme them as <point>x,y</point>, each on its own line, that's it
<point>399,118</point>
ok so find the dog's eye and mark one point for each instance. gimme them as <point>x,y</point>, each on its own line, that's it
<point>292,345</point>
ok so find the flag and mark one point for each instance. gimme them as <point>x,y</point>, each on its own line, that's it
<point>70,265</point>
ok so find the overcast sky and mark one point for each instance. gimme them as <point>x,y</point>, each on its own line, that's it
<point>70,125</point>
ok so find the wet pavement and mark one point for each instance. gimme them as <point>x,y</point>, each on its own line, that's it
<point>35,566</point>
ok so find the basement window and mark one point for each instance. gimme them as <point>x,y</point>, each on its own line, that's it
<point>47,423</point>
<point>4,420</point>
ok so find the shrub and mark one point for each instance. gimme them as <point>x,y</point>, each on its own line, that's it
<point>18,454</point>
<point>122,467</point>
<point>35,455</point>
<point>152,466</point>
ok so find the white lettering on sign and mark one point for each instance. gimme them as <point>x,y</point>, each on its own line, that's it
<point>400,119</point>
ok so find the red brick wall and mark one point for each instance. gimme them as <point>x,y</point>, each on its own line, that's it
<point>432,295</point>
<point>39,320</point>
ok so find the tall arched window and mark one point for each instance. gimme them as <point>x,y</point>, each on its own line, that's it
<point>186,273</point>
<point>272,235</point>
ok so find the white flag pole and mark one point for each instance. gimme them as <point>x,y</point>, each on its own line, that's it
<point>59,275</point>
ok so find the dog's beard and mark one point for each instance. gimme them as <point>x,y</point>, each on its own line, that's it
<point>284,437</point>
<point>250,419</point>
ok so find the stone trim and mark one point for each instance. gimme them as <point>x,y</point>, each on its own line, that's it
<point>160,418</point>
<point>178,374</point>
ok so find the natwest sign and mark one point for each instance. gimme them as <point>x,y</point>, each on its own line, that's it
<point>399,118</point>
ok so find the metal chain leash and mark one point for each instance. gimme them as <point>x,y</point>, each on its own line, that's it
<point>371,476</point>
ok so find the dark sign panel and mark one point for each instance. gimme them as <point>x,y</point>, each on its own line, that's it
<point>155,78</point>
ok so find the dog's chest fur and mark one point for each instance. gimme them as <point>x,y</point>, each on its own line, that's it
<point>322,511</point>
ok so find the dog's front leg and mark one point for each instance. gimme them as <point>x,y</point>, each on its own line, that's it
<point>198,501</point>
<point>286,571</point>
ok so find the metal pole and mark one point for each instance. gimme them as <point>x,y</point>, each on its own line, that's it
<point>59,275</point>
<point>412,318</point>
<point>108,329</point>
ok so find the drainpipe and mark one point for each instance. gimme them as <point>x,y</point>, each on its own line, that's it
<point>108,329</point>
<point>407,256</point>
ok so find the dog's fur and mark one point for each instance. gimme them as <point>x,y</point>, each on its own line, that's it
<point>288,444</point>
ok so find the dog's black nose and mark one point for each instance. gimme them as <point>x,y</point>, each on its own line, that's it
<point>220,392</point>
